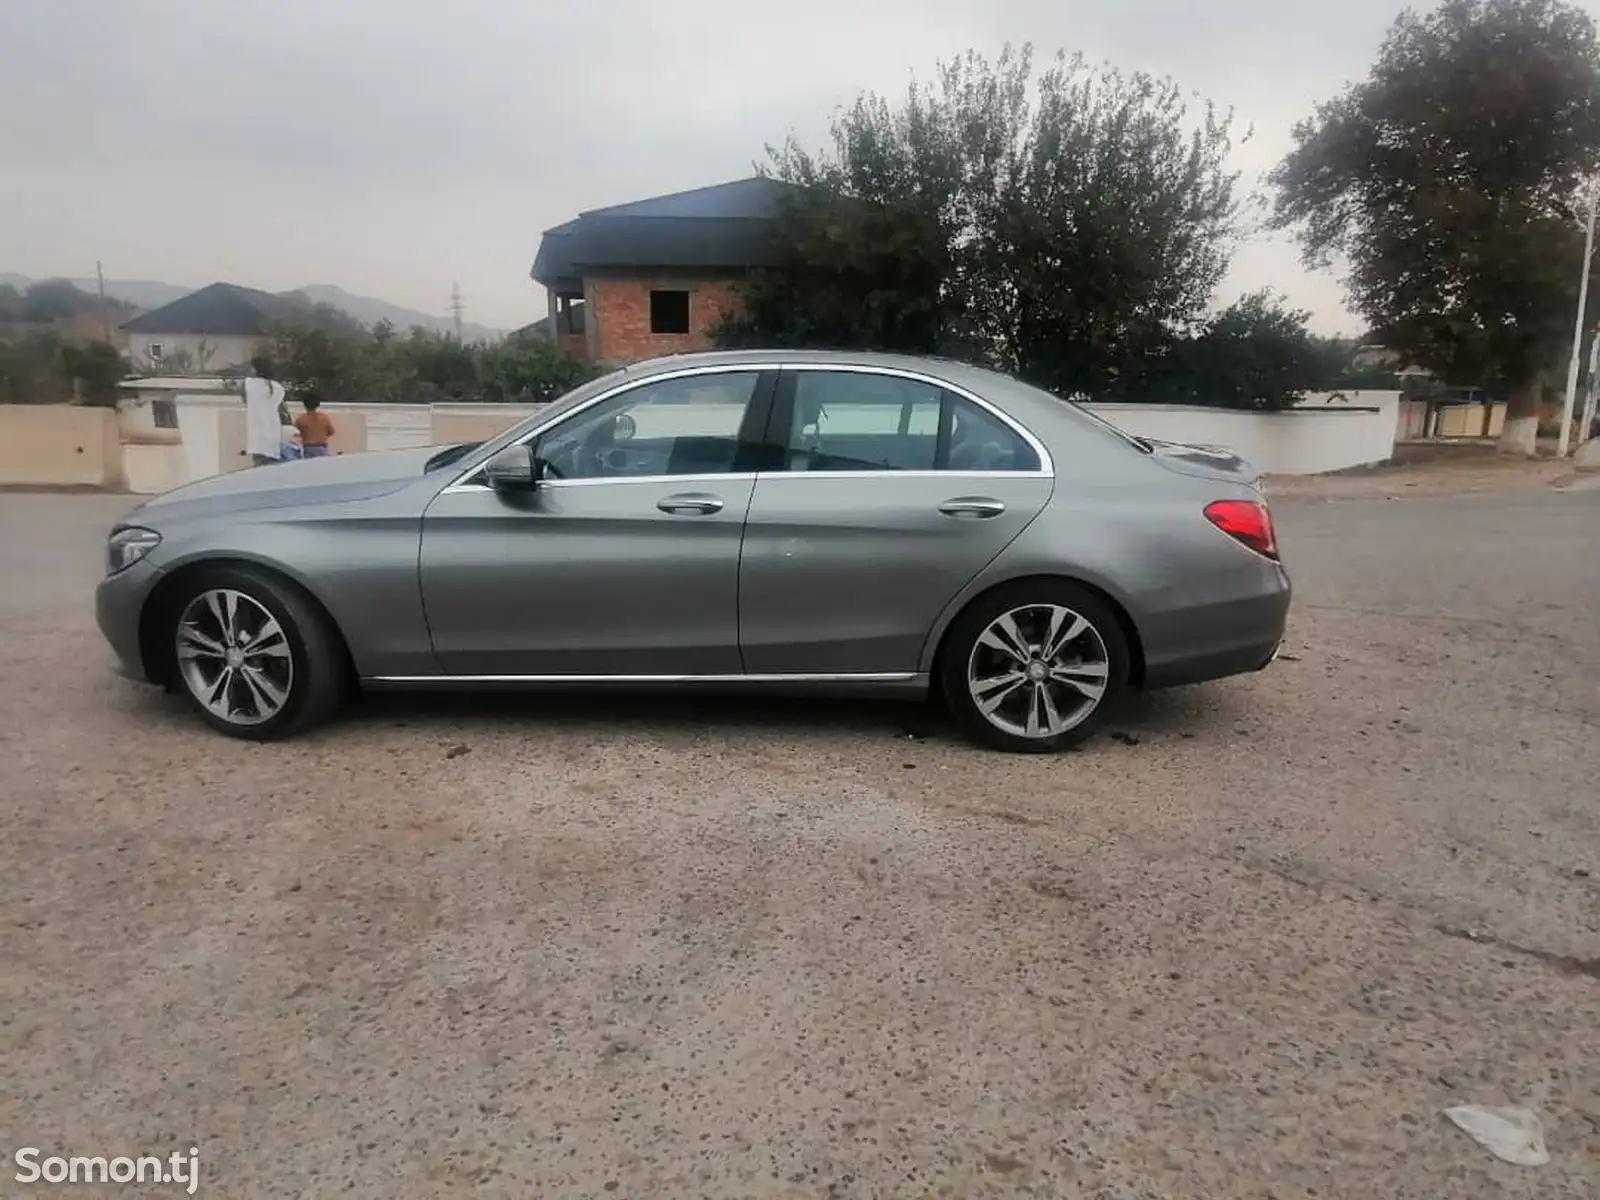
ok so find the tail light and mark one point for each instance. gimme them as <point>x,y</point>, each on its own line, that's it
<point>1247,522</point>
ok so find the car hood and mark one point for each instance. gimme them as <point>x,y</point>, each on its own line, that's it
<point>1203,462</point>
<point>332,480</point>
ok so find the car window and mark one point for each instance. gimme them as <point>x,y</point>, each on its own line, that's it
<point>850,421</point>
<point>981,441</point>
<point>684,426</point>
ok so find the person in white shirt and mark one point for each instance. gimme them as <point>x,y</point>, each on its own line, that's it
<point>263,414</point>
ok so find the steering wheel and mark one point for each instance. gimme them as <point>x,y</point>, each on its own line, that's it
<point>596,443</point>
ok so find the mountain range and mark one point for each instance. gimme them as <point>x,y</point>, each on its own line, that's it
<point>146,294</point>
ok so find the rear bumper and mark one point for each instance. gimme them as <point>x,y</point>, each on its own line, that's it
<point>1242,660</point>
<point>1219,639</point>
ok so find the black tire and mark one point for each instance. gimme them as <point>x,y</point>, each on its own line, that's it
<point>320,672</point>
<point>962,639</point>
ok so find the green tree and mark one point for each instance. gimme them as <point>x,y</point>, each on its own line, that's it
<point>32,370</point>
<point>528,370</point>
<point>45,366</point>
<point>1345,368</point>
<point>1061,228</point>
<point>96,368</point>
<point>351,364</point>
<point>443,368</point>
<point>1448,180</point>
<point>845,274</point>
<point>311,358</point>
<point>1255,354</point>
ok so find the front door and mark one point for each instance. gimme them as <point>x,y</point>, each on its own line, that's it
<point>895,494</point>
<point>625,562</point>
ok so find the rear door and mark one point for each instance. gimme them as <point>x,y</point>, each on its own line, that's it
<point>626,563</point>
<point>894,493</point>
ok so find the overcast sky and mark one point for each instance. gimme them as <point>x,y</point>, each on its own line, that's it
<point>392,146</point>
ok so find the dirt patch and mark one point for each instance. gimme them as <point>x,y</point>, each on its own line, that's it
<point>668,948</point>
<point>1423,469</point>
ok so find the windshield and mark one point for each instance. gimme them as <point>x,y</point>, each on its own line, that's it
<point>543,412</point>
<point>577,395</point>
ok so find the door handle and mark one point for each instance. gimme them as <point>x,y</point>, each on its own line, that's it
<point>690,504</point>
<point>972,507</point>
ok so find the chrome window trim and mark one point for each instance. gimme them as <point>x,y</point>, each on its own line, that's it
<point>891,473</point>
<point>559,484</point>
<point>747,476</point>
<point>459,483</point>
<point>1046,463</point>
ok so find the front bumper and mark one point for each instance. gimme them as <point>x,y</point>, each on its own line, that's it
<point>119,603</point>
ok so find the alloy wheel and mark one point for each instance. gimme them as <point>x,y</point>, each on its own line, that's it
<point>234,657</point>
<point>1038,671</point>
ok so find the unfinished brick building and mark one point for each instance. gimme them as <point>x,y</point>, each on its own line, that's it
<point>654,276</point>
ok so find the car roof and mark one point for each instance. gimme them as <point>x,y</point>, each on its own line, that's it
<point>711,358</point>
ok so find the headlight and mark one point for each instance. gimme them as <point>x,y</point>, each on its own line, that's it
<point>128,546</point>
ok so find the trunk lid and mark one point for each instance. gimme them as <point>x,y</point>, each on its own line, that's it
<point>1204,462</point>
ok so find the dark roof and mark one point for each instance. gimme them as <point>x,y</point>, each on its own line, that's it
<point>722,226</point>
<point>220,309</point>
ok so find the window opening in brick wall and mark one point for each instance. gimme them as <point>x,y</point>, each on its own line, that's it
<point>165,413</point>
<point>669,312</point>
<point>569,314</point>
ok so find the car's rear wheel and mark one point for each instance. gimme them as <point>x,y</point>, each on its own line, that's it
<point>1035,667</point>
<point>253,654</point>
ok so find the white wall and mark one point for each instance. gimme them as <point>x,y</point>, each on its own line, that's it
<point>197,422</point>
<point>1325,433</point>
<point>153,469</point>
<point>392,426</point>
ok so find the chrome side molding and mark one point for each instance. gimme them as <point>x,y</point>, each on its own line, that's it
<point>798,677</point>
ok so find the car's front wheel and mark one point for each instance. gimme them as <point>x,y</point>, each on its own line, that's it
<point>1035,666</point>
<point>253,654</point>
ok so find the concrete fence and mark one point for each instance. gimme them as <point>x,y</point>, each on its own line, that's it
<point>60,445</point>
<point>1327,432</point>
<point>63,444</point>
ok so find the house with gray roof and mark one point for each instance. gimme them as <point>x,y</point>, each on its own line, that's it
<point>212,331</point>
<point>653,276</point>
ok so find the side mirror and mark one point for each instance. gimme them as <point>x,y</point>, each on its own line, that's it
<point>512,470</point>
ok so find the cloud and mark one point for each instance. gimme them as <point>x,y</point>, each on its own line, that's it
<point>393,146</point>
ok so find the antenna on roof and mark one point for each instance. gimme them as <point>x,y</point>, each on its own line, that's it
<point>456,309</point>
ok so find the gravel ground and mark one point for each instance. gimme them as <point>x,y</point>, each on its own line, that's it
<point>1249,945</point>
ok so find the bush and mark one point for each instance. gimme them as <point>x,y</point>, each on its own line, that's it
<point>46,367</point>
<point>377,365</point>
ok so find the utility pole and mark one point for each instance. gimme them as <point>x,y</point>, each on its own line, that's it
<point>105,322</point>
<point>456,308</point>
<point>1577,325</point>
<point>1591,386</point>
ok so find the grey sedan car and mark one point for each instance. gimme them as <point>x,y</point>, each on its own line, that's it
<point>778,520</point>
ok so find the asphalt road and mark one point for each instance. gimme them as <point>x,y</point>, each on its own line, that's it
<point>1251,945</point>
